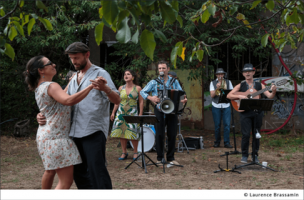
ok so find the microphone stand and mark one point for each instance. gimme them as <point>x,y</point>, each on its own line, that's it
<point>165,96</point>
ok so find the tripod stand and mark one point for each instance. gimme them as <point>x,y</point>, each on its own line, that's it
<point>150,119</point>
<point>181,142</point>
<point>256,105</point>
<point>227,169</point>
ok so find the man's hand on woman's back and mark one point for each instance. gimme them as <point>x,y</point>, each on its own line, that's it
<point>41,119</point>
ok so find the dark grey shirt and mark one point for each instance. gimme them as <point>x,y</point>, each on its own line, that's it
<point>93,112</point>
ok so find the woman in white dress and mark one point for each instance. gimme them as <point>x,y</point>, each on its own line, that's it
<point>57,151</point>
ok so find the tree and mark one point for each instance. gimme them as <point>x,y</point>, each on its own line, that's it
<point>288,14</point>
<point>286,29</point>
<point>69,24</point>
<point>16,23</point>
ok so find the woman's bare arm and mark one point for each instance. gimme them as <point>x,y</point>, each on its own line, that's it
<point>55,91</point>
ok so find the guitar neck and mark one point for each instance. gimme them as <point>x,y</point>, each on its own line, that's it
<point>260,91</point>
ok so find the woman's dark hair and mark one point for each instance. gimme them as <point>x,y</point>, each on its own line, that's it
<point>31,73</point>
<point>133,74</point>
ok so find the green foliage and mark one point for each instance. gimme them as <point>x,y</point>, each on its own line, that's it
<point>124,33</point>
<point>147,43</point>
<point>70,24</point>
<point>15,23</point>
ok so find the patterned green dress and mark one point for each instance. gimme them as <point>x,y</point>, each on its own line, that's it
<point>127,106</point>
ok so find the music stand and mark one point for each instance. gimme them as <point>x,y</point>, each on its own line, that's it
<point>223,99</point>
<point>255,105</point>
<point>149,119</point>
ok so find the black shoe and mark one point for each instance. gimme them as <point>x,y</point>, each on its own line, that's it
<point>228,146</point>
<point>216,145</point>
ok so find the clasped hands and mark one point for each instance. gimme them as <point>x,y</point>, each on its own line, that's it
<point>99,83</point>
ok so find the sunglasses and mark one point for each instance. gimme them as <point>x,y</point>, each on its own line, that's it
<point>49,63</point>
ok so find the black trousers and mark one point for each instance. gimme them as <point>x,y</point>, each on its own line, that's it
<point>247,119</point>
<point>92,172</point>
<point>171,122</point>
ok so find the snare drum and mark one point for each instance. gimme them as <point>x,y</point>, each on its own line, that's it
<point>149,138</point>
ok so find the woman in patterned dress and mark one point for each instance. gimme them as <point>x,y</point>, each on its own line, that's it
<point>129,94</point>
<point>57,151</point>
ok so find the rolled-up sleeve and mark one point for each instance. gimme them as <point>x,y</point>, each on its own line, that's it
<point>148,88</point>
<point>110,83</point>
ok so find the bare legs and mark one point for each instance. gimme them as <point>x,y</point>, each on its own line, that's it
<point>47,179</point>
<point>135,145</point>
<point>123,143</point>
<point>65,176</point>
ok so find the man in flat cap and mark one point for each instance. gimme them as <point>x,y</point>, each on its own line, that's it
<point>247,117</point>
<point>90,118</point>
<point>220,110</point>
<point>174,75</point>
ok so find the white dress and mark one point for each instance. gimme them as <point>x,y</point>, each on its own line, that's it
<point>55,147</point>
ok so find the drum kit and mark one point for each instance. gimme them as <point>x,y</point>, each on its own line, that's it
<point>149,139</point>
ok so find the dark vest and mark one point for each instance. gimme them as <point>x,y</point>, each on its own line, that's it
<point>215,99</point>
<point>245,87</point>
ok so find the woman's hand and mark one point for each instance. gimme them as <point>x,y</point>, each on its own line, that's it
<point>100,83</point>
<point>112,117</point>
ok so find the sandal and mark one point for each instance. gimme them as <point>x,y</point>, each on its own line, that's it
<point>135,154</point>
<point>126,155</point>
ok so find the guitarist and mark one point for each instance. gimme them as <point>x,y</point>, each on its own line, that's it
<point>247,117</point>
<point>220,110</point>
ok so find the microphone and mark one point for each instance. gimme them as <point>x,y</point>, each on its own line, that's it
<point>161,74</point>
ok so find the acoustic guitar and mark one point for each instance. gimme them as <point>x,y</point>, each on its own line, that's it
<point>253,94</point>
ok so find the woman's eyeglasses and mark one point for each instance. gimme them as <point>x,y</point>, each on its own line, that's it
<point>49,63</point>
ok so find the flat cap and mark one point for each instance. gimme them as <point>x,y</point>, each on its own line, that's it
<point>77,47</point>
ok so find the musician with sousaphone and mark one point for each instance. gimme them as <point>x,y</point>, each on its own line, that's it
<point>220,111</point>
<point>162,110</point>
<point>250,89</point>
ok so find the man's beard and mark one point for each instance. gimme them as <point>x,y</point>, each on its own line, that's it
<point>82,66</point>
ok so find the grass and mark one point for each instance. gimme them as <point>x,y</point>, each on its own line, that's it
<point>290,149</point>
<point>287,157</point>
<point>129,185</point>
<point>273,180</point>
<point>186,128</point>
<point>259,184</point>
<point>282,141</point>
<point>9,159</point>
<point>204,156</point>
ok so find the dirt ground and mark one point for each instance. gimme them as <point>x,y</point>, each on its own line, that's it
<point>21,166</point>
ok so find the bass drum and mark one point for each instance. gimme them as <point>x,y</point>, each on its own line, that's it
<point>149,138</point>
